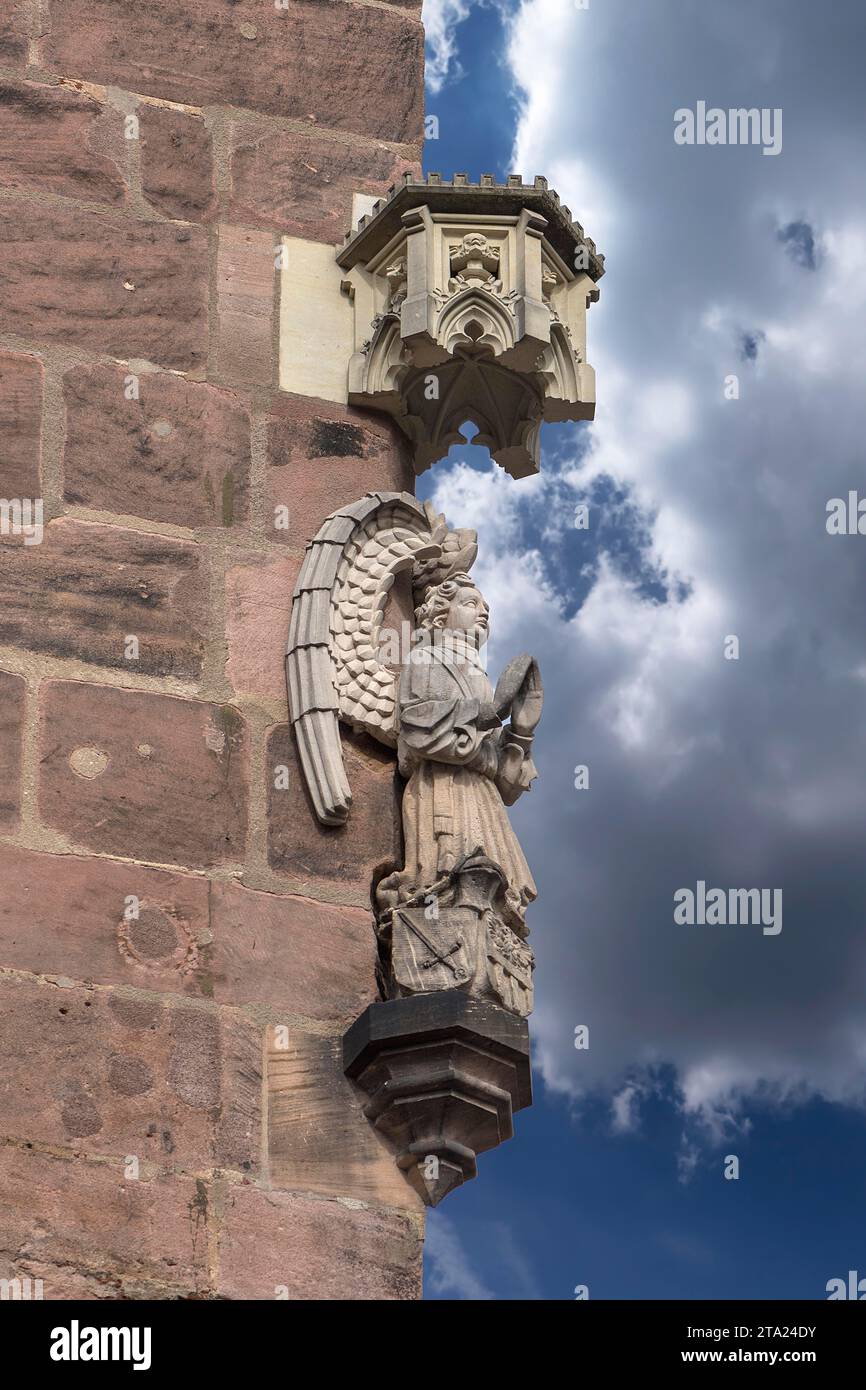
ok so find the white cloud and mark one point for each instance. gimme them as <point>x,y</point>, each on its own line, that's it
<point>441,20</point>
<point>746,772</point>
<point>625,1109</point>
<point>448,1270</point>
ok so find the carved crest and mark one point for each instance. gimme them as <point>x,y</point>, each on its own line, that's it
<point>452,938</point>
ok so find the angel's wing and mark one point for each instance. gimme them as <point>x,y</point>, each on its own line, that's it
<point>333,670</point>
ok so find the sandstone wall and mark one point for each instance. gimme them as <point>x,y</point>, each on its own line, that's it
<point>181,944</point>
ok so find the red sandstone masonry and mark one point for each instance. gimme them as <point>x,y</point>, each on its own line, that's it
<point>13,35</point>
<point>321,456</point>
<point>130,289</point>
<point>298,845</point>
<point>61,141</point>
<point>245,304</point>
<point>303,958</point>
<point>356,67</point>
<point>257,624</point>
<point>20,421</point>
<point>154,925</point>
<point>87,589</point>
<point>315,1249</point>
<point>127,1238</point>
<point>301,182</point>
<point>180,453</point>
<point>71,916</point>
<point>12,697</point>
<point>111,1098</point>
<point>105,922</point>
<point>173,789</point>
<point>177,173</point>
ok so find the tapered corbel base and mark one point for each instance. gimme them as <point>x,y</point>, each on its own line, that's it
<point>444,1074</point>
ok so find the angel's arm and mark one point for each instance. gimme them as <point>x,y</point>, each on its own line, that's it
<point>436,723</point>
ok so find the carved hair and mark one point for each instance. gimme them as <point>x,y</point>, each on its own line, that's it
<point>435,606</point>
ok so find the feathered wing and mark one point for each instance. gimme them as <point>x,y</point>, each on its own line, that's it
<point>333,670</point>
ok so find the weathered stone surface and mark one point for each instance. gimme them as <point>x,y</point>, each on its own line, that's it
<point>300,846</point>
<point>62,1283</point>
<point>311,959</point>
<point>177,175</point>
<point>258,607</point>
<point>124,1238</point>
<point>180,453</point>
<point>56,139</point>
<point>174,1087</point>
<point>12,696</point>
<point>88,588</point>
<point>301,182</point>
<point>20,424</point>
<point>13,35</point>
<point>245,305</point>
<point>129,289</point>
<point>72,916</point>
<point>308,60</point>
<point>321,456</point>
<point>315,1249</point>
<point>318,1137</point>
<point>444,1072</point>
<point>173,789</point>
<point>102,922</point>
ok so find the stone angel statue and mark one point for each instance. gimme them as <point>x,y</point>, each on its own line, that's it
<point>454,914</point>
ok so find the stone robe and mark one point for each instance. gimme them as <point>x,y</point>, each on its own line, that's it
<point>459,764</point>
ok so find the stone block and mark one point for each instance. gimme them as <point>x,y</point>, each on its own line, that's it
<point>177,451</point>
<point>13,691</point>
<point>128,289</point>
<point>147,776</point>
<point>20,425</point>
<point>308,61</point>
<point>177,173</point>
<point>283,1245</point>
<point>62,141</point>
<point>87,589</point>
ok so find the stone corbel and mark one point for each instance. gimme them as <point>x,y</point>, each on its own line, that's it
<point>469,304</point>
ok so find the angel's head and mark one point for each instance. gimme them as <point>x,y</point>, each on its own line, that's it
<point>454,605</point>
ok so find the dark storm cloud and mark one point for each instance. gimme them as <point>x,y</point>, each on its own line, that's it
<point>798,240</point>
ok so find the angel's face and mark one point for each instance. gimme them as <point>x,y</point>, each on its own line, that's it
<point>469,613</point>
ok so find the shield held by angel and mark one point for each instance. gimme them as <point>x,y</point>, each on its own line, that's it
<point>454,915</point>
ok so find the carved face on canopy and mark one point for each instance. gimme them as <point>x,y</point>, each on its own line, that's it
<point>455,605</point>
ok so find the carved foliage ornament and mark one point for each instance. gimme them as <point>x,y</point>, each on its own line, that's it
<point>452,917</point>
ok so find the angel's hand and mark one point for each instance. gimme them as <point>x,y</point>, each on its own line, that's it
<point>528,702</point>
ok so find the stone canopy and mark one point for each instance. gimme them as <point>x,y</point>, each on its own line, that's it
<point>470,304</point>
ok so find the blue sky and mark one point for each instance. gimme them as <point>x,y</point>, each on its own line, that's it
<point>707,518</point>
